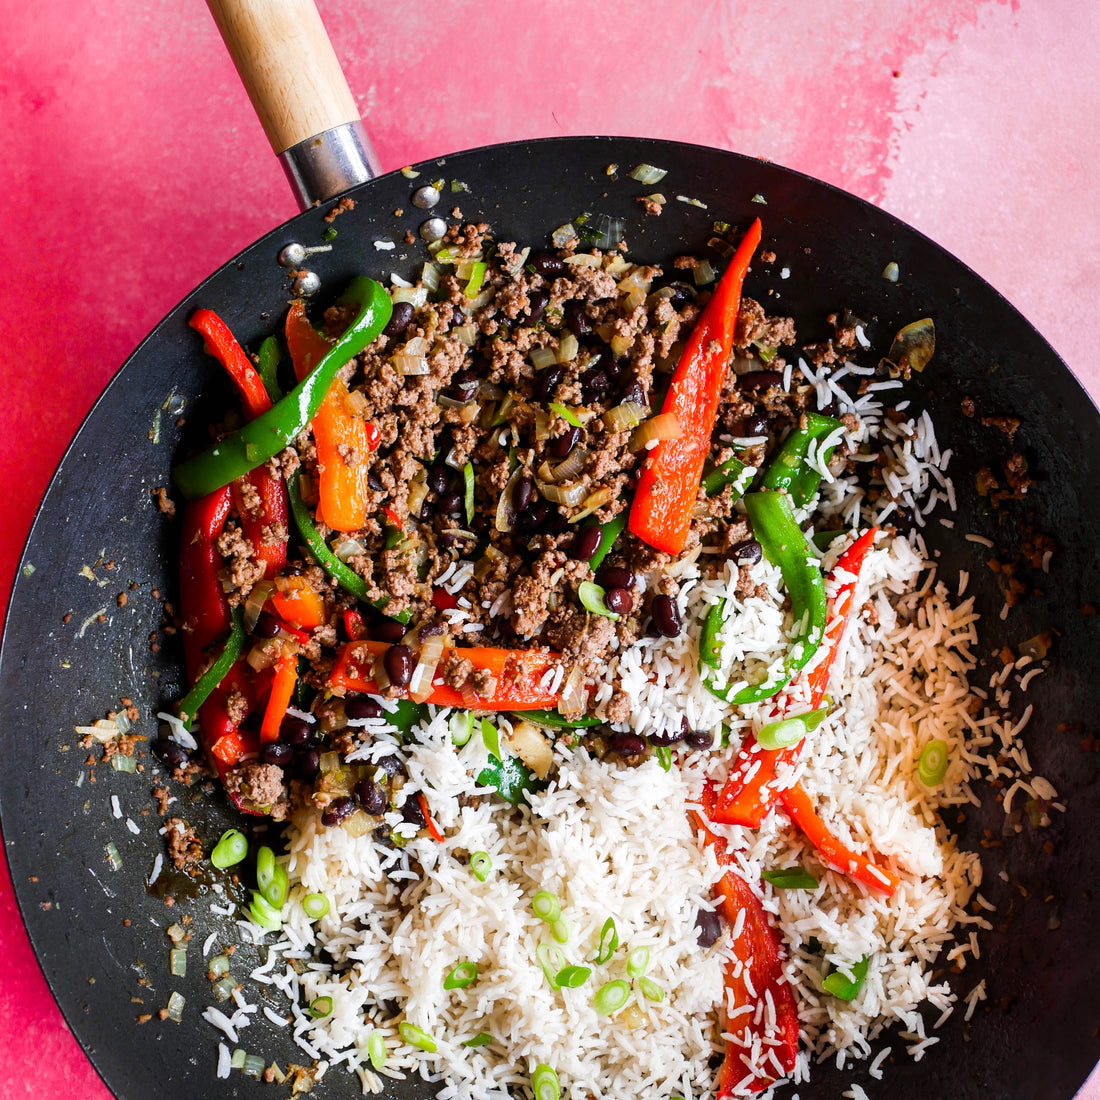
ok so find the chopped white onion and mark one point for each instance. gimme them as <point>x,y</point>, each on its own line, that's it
<point>409,364</point>
<point>661,426</point>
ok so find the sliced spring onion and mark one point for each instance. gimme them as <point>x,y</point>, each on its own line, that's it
<point>567,414</point>
<point>254,1065</point>
<point>481,1039</point>
<point>573,977</point>
<point>637,962</point>
<point>177,961</point>
<point>477,277</point>
<point>231,848</point>
<point>262,913</point>
<point>376,1049</point>
<point>320,1007</point>
<point>790,878</point>
<point>611,997</point>
<point>609,941</point>
<point>845,989</point>
<point>592,597</point>
<point>932,765</point>
<point>461,724</point>
<point>552,961</point>
<point>490,735</point>
<point>175,1007</point>
<point>315,906</point>
<point>463,975</point>
<point>546,906</point>
<point>219,965</point>
<point>237,1061</point>
<point>544,1083</point>
<point>663,753</point>
<point>468,477</point>
<point>560,930</point>
<point>271,878</point>
<point>650,989</point>
<point>113,858</point>
<point>789,731</point>
<point>481,865</point>
<point>417,1037</point>
<point>223,987</point>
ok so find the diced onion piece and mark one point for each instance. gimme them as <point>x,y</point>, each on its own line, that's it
<point>570,467</point>
<point>177,962</point>
<point>583,259</point>
<point>704,273</point>
<point>572,700</point>
<point>415,295</point>
<point>490,390</point>
<point>418,345</point>
<point>418,492</point>
<point>407,365</point>
<point>223,987</point>
<point>465,334</point>
<point>355,403</point>
<point>506,513</point>
<point>569,495</point>
<point>661,426</point>
<point>568,347</point>
<point>532,747</point>
<point>542,425</point>
<point>592,503</point>
<point>120,763</point>
<point>542,357</point>
<point>175,1006</point>
<point>420,686</point>
<point>219,966</point>
<point>621,344</point>
<point>262,655</point>
<point>563,235</point>
<point>625,416</point>
<point>634,299</point>
<point>261,590</point>
<point>891,272</point>
<point>648,173</point>
<point>429,276</point>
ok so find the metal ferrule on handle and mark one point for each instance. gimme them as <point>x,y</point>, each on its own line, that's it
<point>323,166</point>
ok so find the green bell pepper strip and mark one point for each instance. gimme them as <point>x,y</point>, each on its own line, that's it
<point>268,368</point>
<point>205,684</point>
<point>710,662</point>
<point>345,576</point>
<point>553,720</point>
<point>612,529</point>
<point>789,469</point>
<point>263,438</point>
<point>725,474</point>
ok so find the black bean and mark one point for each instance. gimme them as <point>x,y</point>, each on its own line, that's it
<point>430,630</point>
<point>358,707</point>
<point>576,318</point>
<point>533,516</point>
<point>371,796</point>
<point>587,543</point>
<point>276,752</point>
<point>747,552</point>
<point>399,665</point>
<point>560,447</point>
<point>392,764</point>
<point>555,523</point>
<point>759,380</point>
<point>830,409</point>
<point>399,320</point>
<point>523,493</point>
<point>464,385</point>
<point>308,764</point>
<point>267,626</point>
<point>294,731</point>
<point>616,576</point>
<point>666,616</point>
<point>171,752</point>
<point>413,812</point>
<point>593,383</point>
<point>681,292</point>
<point>756,426</point>
<point>627,745</point>
<point>374,481</point>
<point>452,504</point>
<point>427,510</point>
<point>338,810</point>
<point>708,927</point>
<point>387,630</point>
<point>700,739</point>
<point>614,368</point>
<point>537,301</point>
<point>634,391</point>
<point>547,381</point>
<point>439,478</point>
<point>619,600</point>
<point>547,264</point>
<point>670,737</point>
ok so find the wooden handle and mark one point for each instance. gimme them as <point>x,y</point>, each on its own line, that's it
<point>289,68</point>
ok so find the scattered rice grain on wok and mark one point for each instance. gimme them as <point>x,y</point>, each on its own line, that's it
<point>431,958</point>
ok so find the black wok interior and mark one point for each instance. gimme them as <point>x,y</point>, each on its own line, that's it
<point>1036,1036</point>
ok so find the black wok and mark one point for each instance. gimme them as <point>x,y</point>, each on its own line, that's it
<point>99,933</point>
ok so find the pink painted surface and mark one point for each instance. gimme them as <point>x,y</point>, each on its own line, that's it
<point>133,167</point>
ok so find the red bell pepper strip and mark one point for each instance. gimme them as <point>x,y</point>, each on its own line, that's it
<point>354,627</point>
<point>518,675</point>
<point>759,951</point>
<point>223,345</point>
<point>747,795</point>
<point>203,606</point>
<point>337,432</point>
<point>797,804</point>
<point>669,480</point>
<point>282,691</point>
<point>443,600</point>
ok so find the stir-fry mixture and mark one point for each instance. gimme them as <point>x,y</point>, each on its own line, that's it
<point>575,618</point>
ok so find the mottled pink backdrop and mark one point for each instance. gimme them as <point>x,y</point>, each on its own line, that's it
<point>132,167</point>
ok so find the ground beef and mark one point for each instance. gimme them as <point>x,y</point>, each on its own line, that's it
<point>165,505</point>
<point>241,570</point>
<point>184,847</point>
<point>261,786</point>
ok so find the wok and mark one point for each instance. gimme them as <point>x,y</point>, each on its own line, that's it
<point>99,933</point>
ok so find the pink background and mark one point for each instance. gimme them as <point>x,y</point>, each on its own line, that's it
<point>133,167</point>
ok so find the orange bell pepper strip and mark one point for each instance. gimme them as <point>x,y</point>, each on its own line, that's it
<point>300,605</point>
<point>759,951</point>
<point>669,480</point>
<point>282,691</point>
<point>747,795</point>
<point>837,854</point>
<point>518,674</point>
<point>342,488</point>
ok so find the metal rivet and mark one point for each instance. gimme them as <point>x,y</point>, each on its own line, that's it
<point>295,254</point>
<point>425,197</point>
<point>433,229</point>
<point>307,282</point>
